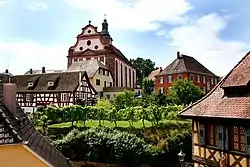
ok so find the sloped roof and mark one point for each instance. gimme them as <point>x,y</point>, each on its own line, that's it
<point>40,71</point>
<point>63,82</point>
<point>90,66</point>
<point>185,63</point>
<point>215,104</point>
<point>19,128</point>
<point>240,75</point>
<point>153,74</point>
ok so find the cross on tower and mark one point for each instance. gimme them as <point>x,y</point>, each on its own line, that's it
<point>89,22</point>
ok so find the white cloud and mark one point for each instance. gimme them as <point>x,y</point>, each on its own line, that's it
<point>21,55</point>
<point>138,15</point>
<point>37,4</point>
<point>3,2</point>
<point>201,39</point>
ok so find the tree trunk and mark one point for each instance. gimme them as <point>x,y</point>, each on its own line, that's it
<point>115,124</point>
<point>72,123</point>
<point>100,123</point>
<point>143,123</point>
<point>84,123</point>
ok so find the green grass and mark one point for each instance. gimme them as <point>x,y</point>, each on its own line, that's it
<point>95,123</point>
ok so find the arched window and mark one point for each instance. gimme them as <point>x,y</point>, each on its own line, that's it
<point>116,73</point>
<point>121,75</point>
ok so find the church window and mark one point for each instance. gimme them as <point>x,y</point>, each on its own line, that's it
<point>121,75</point>
<point>89,31</point>
<point>88,42</point>
<point>81,48</point>
<point>96,47</point>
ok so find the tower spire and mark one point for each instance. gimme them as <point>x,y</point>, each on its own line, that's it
<point>105,26</point>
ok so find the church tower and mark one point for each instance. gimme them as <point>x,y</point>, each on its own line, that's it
<point>92,44</point>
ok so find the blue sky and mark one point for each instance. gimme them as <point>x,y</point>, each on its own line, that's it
<point>36,33</point>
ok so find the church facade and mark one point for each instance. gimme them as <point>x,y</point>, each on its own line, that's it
<point>91,44</point>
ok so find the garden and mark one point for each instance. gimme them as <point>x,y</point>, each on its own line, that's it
<point>127,132</point>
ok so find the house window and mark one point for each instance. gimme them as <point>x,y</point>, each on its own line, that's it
<point>170,79</point>
<point>161,89</point>
<point>30,84</point>
<point>238,138</point>
<point>110,84</point>
<point>98,82</point>
<point>203,79</point>
<point>211,137</point>
<point>215,81</point>
<point>179,76</point>
<point>28,97</point>
<point>64,97</point>
<point>191,77</point>
<point>105,84</point>
<point>202,134</point>
<point>108,96</point>
<point>161,80</point>
<point>198,79</point>
<point>212,80</point>
<point>204,89</point>
<point>75,60</point>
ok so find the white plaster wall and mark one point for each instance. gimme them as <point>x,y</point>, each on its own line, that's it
<point>99,88</point>
<point>83,43</point>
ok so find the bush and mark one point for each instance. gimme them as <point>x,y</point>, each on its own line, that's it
<point>107,145</point>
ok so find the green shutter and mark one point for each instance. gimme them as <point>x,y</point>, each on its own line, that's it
<point>202,134</point>
<point>248,141</point>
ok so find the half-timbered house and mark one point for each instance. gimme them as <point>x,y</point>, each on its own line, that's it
<point>220,121</point>
<point>59,89</point>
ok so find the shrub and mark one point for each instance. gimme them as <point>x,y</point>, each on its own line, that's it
<point>107,145</point>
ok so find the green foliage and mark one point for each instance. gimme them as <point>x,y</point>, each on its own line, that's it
<point>106,145</point>
<point>183,92</point>
<point>148,86</point>
<point>143,67</point>
<point>124,100</point>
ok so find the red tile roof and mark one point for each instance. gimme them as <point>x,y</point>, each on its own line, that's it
<point>240,75</point>
<point>154,73</point>
<point>215,104</point>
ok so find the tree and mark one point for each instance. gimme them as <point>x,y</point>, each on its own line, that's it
<point>183,92</point>
<point>113,116</point>
<point>143,67</point>
<point>148,86</point>
<point>123,100</point>
<point>102,108</point>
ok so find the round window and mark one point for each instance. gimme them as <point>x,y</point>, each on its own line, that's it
<point>88,42</point>
<point>81,48</point>
<point>89,31</point>
<point>96,47</point>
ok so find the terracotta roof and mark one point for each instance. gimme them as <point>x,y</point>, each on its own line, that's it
<point>185,63</point>
<point>216,104</point>
<point>240,74</point>
<point>63,82</point>
<point>90,66</point>
<point>154,73</point>
<point>19,128</point>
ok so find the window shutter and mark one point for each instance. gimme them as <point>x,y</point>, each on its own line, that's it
<point>202,134</point>
<point>226,138</point>
<point>248,141</point>
<point>219,136</point>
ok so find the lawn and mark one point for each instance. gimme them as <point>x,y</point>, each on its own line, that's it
<point>95,123</point>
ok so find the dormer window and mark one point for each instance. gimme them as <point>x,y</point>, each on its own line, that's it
<point>30,84</point>
<point>50,83</point>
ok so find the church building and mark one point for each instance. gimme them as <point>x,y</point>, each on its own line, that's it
<point>91,44</point>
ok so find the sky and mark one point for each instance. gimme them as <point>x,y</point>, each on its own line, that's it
<point>37,33</point>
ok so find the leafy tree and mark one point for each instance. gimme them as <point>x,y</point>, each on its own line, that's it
<point>183,92</point>
<point>113,116</point>
<point>130,115</point>
<point>159,98</point>
<point>85,114</point>
<point>72,113</point>
<point>102,108</point>
<point>142,114</point>
<point>148,86</point>
<point>123,100</point>
<point>143,67</point>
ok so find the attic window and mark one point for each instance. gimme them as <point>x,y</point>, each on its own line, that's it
<point>30,84</point>
<point>89,31</point>
<point>50,83</point>
<point>88,42</point>
<point>96,46</point>
<point>81,48</point>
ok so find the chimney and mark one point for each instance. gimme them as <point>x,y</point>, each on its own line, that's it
<point>43,70</point>
<point>9,96</point>
<point>178,55</point>
<point>31,71</point>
